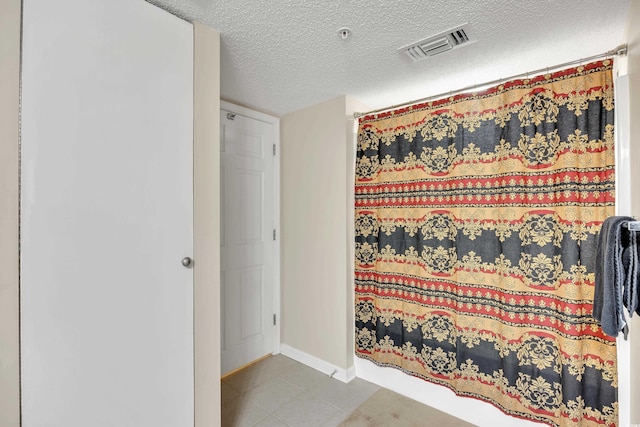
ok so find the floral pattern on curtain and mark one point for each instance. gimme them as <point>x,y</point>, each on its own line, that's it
<point>476,219</point>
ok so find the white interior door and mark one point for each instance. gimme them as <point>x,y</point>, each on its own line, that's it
<point>107,207</point>
<point>247,239</point>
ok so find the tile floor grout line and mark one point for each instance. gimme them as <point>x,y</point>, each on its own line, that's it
<point>308,385</point>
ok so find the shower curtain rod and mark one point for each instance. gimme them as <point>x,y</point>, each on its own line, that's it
<point>618,51</point>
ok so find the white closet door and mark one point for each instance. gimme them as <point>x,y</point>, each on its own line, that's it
<point>107,131</point>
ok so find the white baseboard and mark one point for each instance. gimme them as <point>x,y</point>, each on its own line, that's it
<point>474,411</point>
<point>344,375</point>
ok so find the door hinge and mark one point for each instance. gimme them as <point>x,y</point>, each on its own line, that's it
<point>274,319</point>
<point>274,149</point>
<point>274,234</point>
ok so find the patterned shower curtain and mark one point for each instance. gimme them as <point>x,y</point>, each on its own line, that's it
<point>476,219</point>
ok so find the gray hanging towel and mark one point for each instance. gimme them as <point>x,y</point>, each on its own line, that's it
<point>610,275</point>
<point>630,261</point>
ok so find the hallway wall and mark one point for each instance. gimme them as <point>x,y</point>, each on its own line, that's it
<point>316,206</point>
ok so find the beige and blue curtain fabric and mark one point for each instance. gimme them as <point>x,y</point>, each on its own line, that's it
<point>476,219</point>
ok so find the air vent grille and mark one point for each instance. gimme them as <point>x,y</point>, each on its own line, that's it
<point>440,43</point>
<point>459,36</point>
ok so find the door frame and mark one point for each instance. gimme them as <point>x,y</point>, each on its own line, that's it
<point>275,121</point>
<point>206,226</point>
<point>10,58</point>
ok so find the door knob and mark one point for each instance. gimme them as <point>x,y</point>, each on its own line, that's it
<point>187,262</point>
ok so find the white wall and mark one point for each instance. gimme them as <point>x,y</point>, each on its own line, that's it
<point>9,304</point>
<point>316,217</point>
<point>632,370</point>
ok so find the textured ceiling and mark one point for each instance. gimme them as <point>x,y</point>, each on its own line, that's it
<point>281,56</point>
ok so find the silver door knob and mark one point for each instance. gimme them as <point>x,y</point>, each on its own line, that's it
<point>187,262</point>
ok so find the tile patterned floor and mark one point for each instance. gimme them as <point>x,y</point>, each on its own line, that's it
<point>388,409</point>
<point>280,392</point>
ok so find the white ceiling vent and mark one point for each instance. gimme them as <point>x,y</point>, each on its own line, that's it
<point>440,43</point>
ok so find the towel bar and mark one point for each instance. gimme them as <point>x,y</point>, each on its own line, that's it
<point>633,225</point>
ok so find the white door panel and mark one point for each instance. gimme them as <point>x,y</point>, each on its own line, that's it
<point>247,243</point>
<point>107,207</point>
